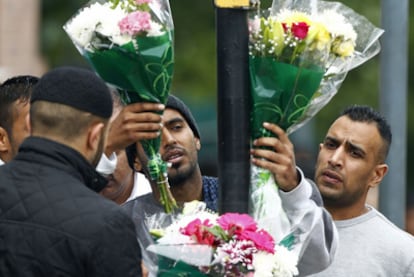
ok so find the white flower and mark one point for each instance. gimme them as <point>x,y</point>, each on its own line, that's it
<point>97,18</point>
<point>282,263</point>
<point>337,25</point>
<point>82,27</point>
<point>254,25</point>
<point>108,26</point>
<point>155,29</point>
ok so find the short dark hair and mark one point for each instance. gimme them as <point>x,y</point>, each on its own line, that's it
<point>13,89</point>
<point>362,113</point>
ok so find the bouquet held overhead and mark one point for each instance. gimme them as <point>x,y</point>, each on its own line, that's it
<point>129,43</point>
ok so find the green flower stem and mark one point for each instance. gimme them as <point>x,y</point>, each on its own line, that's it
<point>158,172</point>
<point>166,198</point>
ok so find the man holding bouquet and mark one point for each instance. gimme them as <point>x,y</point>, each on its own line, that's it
<point>311,223</point>
<point>180,143</point>
<point>300,197</point>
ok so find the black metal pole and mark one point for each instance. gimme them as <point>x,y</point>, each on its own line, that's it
<point>233,110</point>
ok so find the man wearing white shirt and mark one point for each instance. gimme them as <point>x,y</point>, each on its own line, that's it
<point>124,184</point>
<point>129,123</point>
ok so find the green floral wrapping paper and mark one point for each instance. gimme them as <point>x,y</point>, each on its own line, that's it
<point>129,44</point>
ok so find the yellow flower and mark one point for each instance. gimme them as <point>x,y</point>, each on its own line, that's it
<point>289,17</point>
<point>343,48</point>
<point>318,37</point>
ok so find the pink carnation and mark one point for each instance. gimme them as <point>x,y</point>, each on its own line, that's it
<point>135,23</point>
<point>140,2</point>
<point>197,230</point>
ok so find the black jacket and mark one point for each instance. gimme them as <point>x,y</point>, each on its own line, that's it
<point>52,221</point>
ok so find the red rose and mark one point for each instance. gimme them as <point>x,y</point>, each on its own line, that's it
<point>300,30</point>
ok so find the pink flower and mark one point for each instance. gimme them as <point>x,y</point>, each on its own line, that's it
<point>140,2</point>
<point>135,23</point>
<point>236,224</point>
<point>262,240</point>
<point>199,231</point>
<point>300,30</point>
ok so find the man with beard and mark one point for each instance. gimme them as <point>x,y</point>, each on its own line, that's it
<point>52,221</point>
<point>351,160</point>
<point>180,143</point>
<point>14,111</point>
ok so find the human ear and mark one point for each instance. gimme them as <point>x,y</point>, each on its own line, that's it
<point>4,140</point>
<point>137,165</point>
<point>379,172</point>
<point>94,135</point>
<point>198,143</point>
<point>27,121</point>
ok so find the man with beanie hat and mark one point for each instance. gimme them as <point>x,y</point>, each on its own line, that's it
<point>180,143</point>
<point>52,221</point>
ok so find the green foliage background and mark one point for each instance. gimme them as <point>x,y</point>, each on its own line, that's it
<point>195,69</point>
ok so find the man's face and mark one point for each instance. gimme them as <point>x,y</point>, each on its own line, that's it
<point>179,146</point>
<point>120,180</point>
<point>19,129</point>
<point>348,163</point>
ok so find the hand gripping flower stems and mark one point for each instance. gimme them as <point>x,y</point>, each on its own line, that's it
<point>129,43</point>
<point>299,54</point>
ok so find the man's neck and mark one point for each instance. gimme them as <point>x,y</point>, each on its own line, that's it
<point>347,212</point>
<point>189,190</point>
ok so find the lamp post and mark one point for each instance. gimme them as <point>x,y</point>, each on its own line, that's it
<point>233,105</point>
<point>393,97</point>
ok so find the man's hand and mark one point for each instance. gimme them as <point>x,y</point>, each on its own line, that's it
<point>137,121</point>
<point>278,157</point>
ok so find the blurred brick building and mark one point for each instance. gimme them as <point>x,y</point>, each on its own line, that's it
<point>20,38</point>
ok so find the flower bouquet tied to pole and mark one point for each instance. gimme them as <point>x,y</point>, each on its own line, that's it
<point>299,54</point>
<point>202,243</point>
<point>129,44</point>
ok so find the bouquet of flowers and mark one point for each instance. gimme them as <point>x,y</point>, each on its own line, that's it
<point>129,43</point>
<point>202,243</point>
<point>299,53</point>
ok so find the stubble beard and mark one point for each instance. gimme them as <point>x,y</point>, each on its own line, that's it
<point>178,176</point>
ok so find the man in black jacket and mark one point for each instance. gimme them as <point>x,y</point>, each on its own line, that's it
<point>52,221</point>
